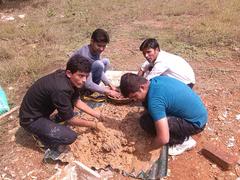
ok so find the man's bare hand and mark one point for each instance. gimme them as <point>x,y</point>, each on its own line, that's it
<point>113,93</point>
<point>101,117</point>
<point>113,88</point>
<point>99,126</point>
<point>105,118</point>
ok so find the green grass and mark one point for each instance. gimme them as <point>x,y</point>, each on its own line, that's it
<point>197,30</point>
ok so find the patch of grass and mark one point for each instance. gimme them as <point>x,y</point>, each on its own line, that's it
<point>51,12</point>
<point>215,30</point>
<point>5,55</point>
<point>51,30</point>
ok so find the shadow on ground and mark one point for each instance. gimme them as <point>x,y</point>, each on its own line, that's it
<point>25,139</point>
<point>20,4</point>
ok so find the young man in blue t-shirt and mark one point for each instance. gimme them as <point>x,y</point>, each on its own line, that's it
<point>174,111</point>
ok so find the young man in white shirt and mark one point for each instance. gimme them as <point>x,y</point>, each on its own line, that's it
<point>159,62</point>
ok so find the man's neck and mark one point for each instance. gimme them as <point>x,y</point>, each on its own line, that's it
<point>147,84</point>
<point>91,50</point>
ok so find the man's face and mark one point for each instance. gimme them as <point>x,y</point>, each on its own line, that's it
<point>98,47</point>
<point>78,79</point>
<point>150,54</point>
<point>138,96</point>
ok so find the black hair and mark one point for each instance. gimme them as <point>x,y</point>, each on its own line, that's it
<point>149,43</point>
<point>130,83</point>
<point>100,35</point>
<point>78,63</point>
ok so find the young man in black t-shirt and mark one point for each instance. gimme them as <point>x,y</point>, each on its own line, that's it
<point>57,91</point>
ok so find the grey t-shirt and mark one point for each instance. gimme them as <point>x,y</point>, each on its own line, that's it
<point>85,52</point>
<point>90,84</point>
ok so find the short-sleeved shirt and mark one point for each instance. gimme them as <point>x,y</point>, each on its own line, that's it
<point>170,97</point>
<point>170,65</point>
<point>47,94</point>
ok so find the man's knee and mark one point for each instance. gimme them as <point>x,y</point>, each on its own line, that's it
<point>97,65</point>
<point>105,61</point>
<point>70,137</point>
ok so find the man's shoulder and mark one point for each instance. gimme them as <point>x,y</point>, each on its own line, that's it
<point>62,81</point>
<point>167,56</point>
<point>84,47</point>
<point>57,82</point>
<point>157,79</point>
<point>82,50</point>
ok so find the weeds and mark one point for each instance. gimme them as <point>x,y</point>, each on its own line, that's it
<point>194,29</point>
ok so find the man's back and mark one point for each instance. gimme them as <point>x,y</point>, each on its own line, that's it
<point>50,92</point>
<point>170,97</point>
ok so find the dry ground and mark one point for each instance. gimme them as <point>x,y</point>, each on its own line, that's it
<point>40,43</point>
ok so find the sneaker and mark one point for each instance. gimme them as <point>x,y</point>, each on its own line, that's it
<point>188,144</point>
<point>51,154</point>
<point>60,154</point>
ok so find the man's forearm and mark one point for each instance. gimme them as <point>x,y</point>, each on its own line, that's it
<point>95,87</point>
<point>77,121</point>
<point>140,72</point>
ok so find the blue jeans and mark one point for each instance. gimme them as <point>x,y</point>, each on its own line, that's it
<point>98,70</point>
<point>50,133</point>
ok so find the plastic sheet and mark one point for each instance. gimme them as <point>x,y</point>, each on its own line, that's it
<point>4,107</point>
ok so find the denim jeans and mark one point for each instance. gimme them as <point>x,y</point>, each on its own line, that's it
<point>98,70</point>
<point>50,133</point>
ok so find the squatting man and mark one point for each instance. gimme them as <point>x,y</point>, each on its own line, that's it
<point>58,91</point>
<point>99,65</point>
<point>159,62</point>
<point>173,113</point>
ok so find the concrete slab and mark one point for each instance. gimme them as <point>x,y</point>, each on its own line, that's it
<point>115,76</point>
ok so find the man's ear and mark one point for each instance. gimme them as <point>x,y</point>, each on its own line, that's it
<point>68,74</point>
<point>142,88</point>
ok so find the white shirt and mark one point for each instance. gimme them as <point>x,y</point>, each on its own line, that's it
<point>170,65</point>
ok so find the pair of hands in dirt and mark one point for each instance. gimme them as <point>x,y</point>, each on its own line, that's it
<point>98,124</point>
<point>112,91</point>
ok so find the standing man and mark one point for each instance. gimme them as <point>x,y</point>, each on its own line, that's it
<point>159,62</point>
<point>174,111</point>
<point>92,52</point>
<point>57,91</point>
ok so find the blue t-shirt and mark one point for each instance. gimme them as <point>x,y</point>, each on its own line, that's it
<point>170,97</point>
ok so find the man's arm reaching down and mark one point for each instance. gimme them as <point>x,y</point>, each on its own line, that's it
<point>162,134</point>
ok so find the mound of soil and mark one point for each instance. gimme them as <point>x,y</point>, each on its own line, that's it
<point>121,145</point>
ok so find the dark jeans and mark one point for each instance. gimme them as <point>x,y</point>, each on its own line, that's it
<point>179,129</point>
<point>49,133</point>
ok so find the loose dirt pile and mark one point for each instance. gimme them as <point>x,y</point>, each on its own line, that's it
<point>122,145</point>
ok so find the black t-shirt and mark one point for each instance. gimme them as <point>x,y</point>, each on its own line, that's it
<point>47,94</point>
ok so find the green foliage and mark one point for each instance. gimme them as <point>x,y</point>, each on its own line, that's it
<point>51,12</point>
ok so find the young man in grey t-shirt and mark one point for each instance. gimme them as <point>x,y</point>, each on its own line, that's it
<point>92,51</point>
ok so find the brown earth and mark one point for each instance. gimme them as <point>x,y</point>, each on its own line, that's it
<point>123,143</point>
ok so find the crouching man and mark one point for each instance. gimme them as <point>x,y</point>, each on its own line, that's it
<point>57,91</point>
<point>174,111</point>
